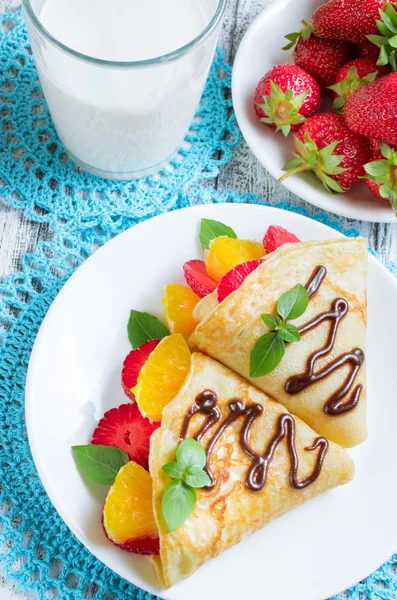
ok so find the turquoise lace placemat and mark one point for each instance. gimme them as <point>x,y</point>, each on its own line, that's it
<point>38,176</point>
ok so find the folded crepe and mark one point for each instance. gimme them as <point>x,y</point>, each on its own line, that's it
<point>262,463</point>
<point>321,379</point>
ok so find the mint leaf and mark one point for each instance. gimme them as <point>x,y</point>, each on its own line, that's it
<point>195,477</point>
<point>271,321</point>
<point>191,453</point>
<point>99,463</point>
<point>266,354</point>
<point>210,230</point>
<point>143,327</point>
<point>290,333</point>
<point>174,470</point>
<point>293,303</point>
<point>177,503</point>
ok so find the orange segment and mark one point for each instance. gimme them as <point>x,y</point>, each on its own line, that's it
<point>162,376</point>
<point>179,302</point>
<point>226,253</point>
<point>128,511</point>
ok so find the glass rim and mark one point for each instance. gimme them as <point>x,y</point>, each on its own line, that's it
<point>149,62</point>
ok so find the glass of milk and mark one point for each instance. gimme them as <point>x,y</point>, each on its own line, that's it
<point>123,78</point>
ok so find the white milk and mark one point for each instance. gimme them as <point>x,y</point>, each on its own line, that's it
<point>120,121</point>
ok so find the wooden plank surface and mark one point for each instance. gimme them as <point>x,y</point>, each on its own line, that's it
<point>244,174</point>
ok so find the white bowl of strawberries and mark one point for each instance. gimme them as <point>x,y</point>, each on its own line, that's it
<point>321,114</point>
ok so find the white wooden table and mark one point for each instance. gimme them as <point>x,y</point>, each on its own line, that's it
<point>244,174</point>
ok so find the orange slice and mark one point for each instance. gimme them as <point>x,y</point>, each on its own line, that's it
<point>162,376</point>
<point>225,253</point>
<point>179,302</point>
<point>128,512</point>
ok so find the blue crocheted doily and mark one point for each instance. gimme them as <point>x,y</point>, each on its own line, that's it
<point>38,176</point>
<point>36,548</point>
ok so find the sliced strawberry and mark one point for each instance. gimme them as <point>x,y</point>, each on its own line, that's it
<point>277,236</point>
<point>198,279</point>
<point>147,545</point>
<point>232,280</point>
<point>133,364</point>
<point>125,428</point>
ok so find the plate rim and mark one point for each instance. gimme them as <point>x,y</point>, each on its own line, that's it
<point>244,46</point>
<point>29,393</point>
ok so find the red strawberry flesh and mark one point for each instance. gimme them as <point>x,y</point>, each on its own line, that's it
<point>234,278</point>
<point>133,365</point>
<point>125,428</point>
<point>198,279</point>
<point>277,236</point>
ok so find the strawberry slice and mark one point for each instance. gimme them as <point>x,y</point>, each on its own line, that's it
<point>146,545</point>
<point>133,364</point>
<point>232,280</point>
<point>277,236</point>
<point>125,428</point>
<point>198,279</point>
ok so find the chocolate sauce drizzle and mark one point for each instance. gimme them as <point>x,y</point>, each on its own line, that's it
<point>206,403</point>
<point>337,403</point>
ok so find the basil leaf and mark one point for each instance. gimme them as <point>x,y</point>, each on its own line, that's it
<point>143,327</point>
<point>271,321</point>
<point>293,303</point>
<point>210,230</point>
<point>196,478</point>
<point>190,453</point>
<point>177,503</point>
<point>99,463</point>
<point>174,470</point>
<point>266,354</point>
<point>290,333</point>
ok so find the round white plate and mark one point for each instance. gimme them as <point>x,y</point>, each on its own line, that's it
<point>311,553</point>
<point>259,51</point>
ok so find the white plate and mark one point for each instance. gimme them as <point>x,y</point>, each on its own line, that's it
<point>259,51</point>
<point>311,553</point>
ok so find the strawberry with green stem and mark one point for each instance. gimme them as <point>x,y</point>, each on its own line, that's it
<point>347,20</point>
<point>327,147</point>
<point>387,41</point>
<point>285,97</point>
<point>353,75</point>
<point>319,57</point>
<point>381,176</point>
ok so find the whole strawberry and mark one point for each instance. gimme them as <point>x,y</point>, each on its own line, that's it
<point>353,75</point>
<point>382,175</point>
<point>372,110</point>
<point>319,57</point>
<point>327,147</point>
<point>285,97</point>
<point>347,20</point>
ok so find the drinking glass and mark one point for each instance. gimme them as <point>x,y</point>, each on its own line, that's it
<point>122,120</point>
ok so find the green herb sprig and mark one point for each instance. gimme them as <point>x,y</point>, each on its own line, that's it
<point>187,473</point>
<point>143,327</point>
<point>209,230</point>
<point>269,349</point>
<point>98,463</point>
